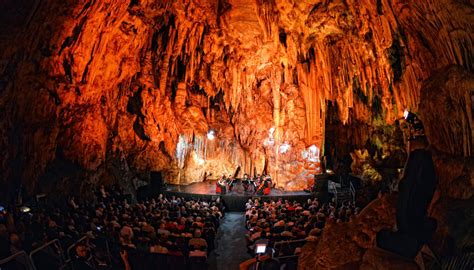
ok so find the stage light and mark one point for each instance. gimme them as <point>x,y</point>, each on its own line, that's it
<point>181,150</point>
<point>211,135</point>
<point>200,161</point>
<point>416,126</point>
<point>312,154</point>
<point>270,141</point>
<point>409,116</point>
<point>25,209</point>
<point>284,147</point>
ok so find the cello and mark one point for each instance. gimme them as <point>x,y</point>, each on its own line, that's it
<point>264,187</point>
<point>221,186</point>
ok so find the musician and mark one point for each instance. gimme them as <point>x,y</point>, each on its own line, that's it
<point>259,189</point>
<point>246,182</point>
<point>264,186</point>
<point>230,182</point>
<point>256,183</point>
<point>221,185</point>
<point>268,185</point>
<point>252,183</point>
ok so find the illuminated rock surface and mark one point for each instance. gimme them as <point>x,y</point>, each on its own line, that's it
<point>89,88</point>
<point>342,245</point>
<point>446,111</point>
<point>96,91</point>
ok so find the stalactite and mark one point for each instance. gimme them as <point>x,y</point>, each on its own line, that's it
<point>257,56</point>
<point>181,150</point>
<point>166,61</point>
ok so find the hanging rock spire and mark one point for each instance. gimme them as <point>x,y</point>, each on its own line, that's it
<point>69,71</point>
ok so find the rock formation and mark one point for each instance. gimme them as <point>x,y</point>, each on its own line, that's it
<point>446,110</point>
<point>342,245</point>
<point>92,91</point>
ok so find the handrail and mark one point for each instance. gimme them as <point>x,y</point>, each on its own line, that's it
<point>287,257</point>
<point>281,243</point>
<point>288,242</point>
<point>353,191</point>
<point>20,253</point>
<point>109,254</point>
<point>333,190</point>
<point>32,253</point>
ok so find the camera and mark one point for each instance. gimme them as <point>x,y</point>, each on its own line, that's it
<point>416,128</point>
<point>260,248</point>
<point>25,209</point>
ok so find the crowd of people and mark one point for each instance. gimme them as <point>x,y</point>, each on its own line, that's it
<point>290,224</point>
<point>120,235</point>
<point>162,231</point>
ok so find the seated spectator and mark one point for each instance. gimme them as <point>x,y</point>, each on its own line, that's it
<point>4,244</point>
<point>197,241</point>
<point>209,234</point>
<point>130,231</point>
<point>174,250</point>
<point>15,247</point>
<point>161,230</point>
<point>156,247</point>
<point>198,252</point>
<point>126,236</point>
<point>15,243</point>
<point>101,261</point>
<point>80,260</point>
<point>284,220</point>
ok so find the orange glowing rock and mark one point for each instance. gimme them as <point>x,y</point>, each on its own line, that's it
<point>111,80</point>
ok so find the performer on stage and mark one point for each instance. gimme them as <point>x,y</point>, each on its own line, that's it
<point>221,185</point>
<point>256,182</point>
<point>230,182</point>
<point>265,185</point>
<point>246,182</point>
<point>268,185</point>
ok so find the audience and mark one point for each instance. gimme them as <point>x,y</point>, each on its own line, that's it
<point>281,220</point>
<point>121,234</point>
<point>168,226</point>
<point>80,260</point>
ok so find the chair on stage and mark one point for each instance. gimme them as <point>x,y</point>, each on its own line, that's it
<point>264,188</point>
<point>266,191</point>
<point>221,189</point>
<point>246,185</point>
<point>267,188</point>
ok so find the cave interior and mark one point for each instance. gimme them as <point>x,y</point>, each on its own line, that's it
<point>105,92</point>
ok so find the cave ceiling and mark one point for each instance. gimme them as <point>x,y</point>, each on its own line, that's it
<point>87,85</point>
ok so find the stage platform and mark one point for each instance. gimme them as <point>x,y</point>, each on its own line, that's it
<point>234,200</point>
